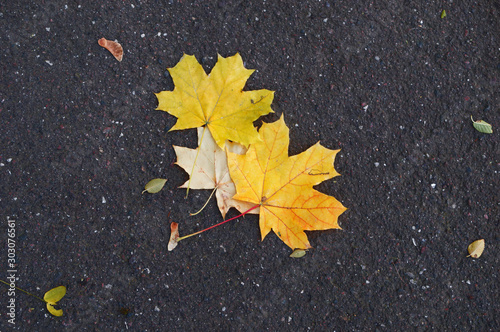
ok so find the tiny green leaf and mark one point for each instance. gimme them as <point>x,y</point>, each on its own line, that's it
<point>482,126</point>
<point>443,14</point>
<point>298,253</point>
<point>154,186</point>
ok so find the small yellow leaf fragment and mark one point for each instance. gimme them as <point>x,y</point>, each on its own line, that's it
<point>154,186</point>
<point>476,248</point>
<point>174,235</point>
<point>51,297</point>
<point>443,14</point>
<point>298,253</point>
<point>53,310</point>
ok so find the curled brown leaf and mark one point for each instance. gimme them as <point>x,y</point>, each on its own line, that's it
<point>115,48</point>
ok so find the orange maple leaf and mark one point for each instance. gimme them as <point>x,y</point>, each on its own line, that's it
<point>282,186</point>
<point>216,100</point>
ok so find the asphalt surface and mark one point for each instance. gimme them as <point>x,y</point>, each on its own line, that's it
<point>391,83</point>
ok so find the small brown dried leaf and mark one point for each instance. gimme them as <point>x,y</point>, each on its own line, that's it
<point>174,235</point>
<point>115,48</point>
<point>476,248</point>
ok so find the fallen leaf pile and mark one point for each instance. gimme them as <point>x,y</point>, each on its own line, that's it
<point>247,168</point>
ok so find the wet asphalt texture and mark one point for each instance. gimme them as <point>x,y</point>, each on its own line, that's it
<point>391,83</point>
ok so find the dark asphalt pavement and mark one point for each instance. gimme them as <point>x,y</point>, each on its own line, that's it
<point>391,83</point>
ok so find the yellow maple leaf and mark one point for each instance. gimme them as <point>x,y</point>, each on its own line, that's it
<point>211,171</point>
<point>282,186</point>
<point>216,100</point>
